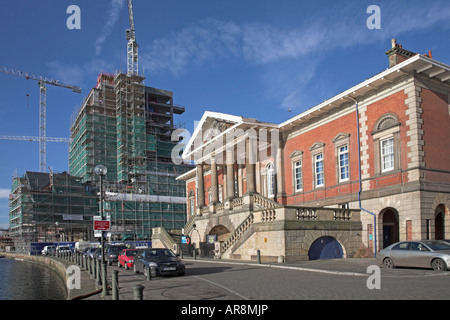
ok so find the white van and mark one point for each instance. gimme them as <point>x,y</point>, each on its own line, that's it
<point>48,250</point>
<point>80,246</point>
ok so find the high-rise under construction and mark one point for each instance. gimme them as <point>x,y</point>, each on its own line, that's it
<point>127,127</point>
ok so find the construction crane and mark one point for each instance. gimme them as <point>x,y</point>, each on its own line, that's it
<point>132,46</point>
<point>42,82</point>
<point>28,138</point>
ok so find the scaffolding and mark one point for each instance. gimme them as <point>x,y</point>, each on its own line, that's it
<point>127,127</point>
<point>50,207</point>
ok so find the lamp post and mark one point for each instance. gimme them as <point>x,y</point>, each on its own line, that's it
<point>101,171</point>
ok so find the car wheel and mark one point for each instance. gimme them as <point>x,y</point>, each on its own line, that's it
<point>388,263</point>
<point>438,265</point>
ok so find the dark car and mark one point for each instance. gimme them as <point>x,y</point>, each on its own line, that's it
<point>91,253</point>
<point>159,262</point>
<point>112,253</point>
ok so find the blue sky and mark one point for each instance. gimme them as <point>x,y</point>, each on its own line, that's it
<point>256,58</point>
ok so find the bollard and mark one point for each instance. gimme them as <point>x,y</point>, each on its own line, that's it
<point>98,273</point>
<point>104,279</point>
<point>194,254</point>
<point>258,256</point>
<point>115,285</point>
<point>149,273</point>
<point>138,292</point>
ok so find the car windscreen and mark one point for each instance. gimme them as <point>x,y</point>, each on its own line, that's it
<point>438,245</point>
<point>131,253</point>
<point>159,253</point>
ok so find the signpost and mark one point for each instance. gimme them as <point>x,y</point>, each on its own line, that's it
<point>101,225</point>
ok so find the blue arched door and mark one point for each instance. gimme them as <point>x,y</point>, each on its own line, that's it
<point>325,248</point>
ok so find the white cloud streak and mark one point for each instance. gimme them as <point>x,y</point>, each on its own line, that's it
<point>4,193</point>
<point>262,43</point>
<point>111,20</point>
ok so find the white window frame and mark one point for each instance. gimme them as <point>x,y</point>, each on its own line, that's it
<point>298,175</point>
<point>345,166</point>
<point>192,205</point>
<point>316,174</point>
<point>270,175</point>
<point>386,154</point>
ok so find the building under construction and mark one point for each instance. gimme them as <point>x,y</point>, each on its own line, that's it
<point>50,207</point>
<point>127,127</point>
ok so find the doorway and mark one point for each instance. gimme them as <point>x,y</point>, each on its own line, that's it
<point>389,218</point>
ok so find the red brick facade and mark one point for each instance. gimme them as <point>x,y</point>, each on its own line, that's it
<point>404,132</point>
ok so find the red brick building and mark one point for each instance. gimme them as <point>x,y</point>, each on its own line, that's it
<point>376,155</point>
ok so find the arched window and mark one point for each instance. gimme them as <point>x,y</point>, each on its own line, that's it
<point>386,138</point>
<point>270,173</point>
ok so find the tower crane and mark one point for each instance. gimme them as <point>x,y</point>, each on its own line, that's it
<point>28,138</point>
<point>42,82</point>
<point>132,46</point>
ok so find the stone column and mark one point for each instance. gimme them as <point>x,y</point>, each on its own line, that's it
<point>281,188</point>
<point>200,187</point>
<point>250,161</point>
<point>230,174</point>
<point>214,182</point>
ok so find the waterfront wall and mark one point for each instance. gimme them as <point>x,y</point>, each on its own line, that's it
<point>59,266</point>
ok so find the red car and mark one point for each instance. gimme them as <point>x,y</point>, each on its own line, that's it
<point>126,258</point>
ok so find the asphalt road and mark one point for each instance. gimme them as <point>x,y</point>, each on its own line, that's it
<point>344,279</point>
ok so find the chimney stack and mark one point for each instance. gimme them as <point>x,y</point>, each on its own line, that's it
<point>397,54</point>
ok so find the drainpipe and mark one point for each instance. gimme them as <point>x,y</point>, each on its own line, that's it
<point>360,185</point>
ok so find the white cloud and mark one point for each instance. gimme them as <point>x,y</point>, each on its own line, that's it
<point>78,74</point>
<point>4,193</point>
<point>111,20</point>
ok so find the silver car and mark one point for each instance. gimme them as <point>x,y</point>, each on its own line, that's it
<point>421,254</point>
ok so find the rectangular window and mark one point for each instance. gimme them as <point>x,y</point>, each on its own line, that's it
<point>343,163</point>
<point>298,176</point>
<point>318,170</point>
<point>387,154</point>
<point>191,206</point>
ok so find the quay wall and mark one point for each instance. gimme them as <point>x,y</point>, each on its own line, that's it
<point>60,266</point>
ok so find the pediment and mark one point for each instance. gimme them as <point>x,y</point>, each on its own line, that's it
<point>341,136</point>
<point>316,145</point>
<point>296,153</point>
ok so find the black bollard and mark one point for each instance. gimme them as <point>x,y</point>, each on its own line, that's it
<point>115,285</point>
<point>138,292</point>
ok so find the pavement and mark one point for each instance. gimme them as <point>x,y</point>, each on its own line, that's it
<point>181,288</point>
<point>200,282</point>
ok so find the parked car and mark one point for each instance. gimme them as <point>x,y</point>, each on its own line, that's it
<point>91,252</point>
<point>158,262</point>
<point>421,254</point>
<point>62,249</point>
<point>48,250</point>
<point>126,258</point>
<point>112,253</point>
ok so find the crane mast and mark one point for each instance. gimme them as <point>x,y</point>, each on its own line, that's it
<point>132,46</point>
<point>42,82</point>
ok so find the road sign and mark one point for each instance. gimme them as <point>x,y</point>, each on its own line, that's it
<point>101,225</point>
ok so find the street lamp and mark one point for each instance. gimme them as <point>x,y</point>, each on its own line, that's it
<point>101,171</point>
